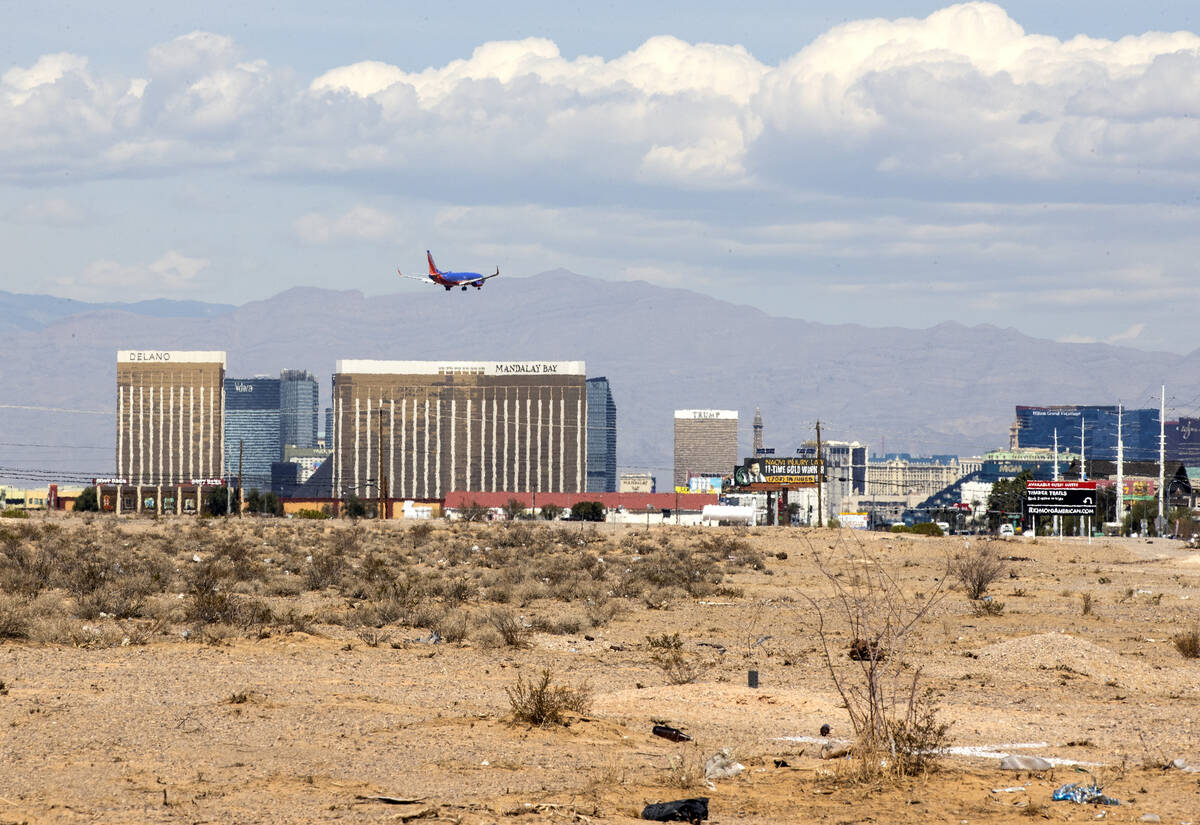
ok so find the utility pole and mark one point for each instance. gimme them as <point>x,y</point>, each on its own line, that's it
<point>1054,529</point>
<point>1120,470</point>
<point>240,443</point>
<point>1082,461</point>
<point>1162,461</point>
<point>820,478</point>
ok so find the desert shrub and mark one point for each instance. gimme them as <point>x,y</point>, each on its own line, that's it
<point>513,631</point>
<point>14,617</point>
<point>678,667</point>
<point>311,514</point>
<point>325,569</point>
<point>695,573</point>
<point>293,620</point>
<point>551,512</point>
<point>1188,643</point>
<point>686,770</point>
<point>419,533</point>
<point>665,641</point>
<point>210,598</point>
<point>1087,603</point>
<point>13,512</point>
<point>987,606</point>
<point>600,612</point>
<point>977,571</point>
<point>919,737</point>
<point>374,636</point>
<point>24,568</point>
<point>539,701</point>
<point>453,626</point>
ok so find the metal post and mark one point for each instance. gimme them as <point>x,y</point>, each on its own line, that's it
<point>820,479</point>
<point>240,496</point>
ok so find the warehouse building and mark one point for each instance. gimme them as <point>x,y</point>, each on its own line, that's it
<point>170,416</point>
<point>420,429</point>
<point>706,443</point>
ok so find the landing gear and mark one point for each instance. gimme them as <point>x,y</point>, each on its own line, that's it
<point>464,289</point>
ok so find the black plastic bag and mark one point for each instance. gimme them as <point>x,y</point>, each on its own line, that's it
<point>681,810</point>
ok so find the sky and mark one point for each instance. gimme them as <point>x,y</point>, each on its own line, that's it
<point>1030,165</point>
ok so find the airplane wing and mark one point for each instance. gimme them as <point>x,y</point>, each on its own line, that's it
<point>479,281</point>
<point>415,278</point>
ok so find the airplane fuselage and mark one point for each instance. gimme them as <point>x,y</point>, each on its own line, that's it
<point>452,279</point>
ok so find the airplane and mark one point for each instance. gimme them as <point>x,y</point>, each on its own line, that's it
<point>449,280</point>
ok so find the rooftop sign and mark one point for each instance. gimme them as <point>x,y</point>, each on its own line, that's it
<point>460,367</point>
<point>159,356</point>
<point>701,415</point>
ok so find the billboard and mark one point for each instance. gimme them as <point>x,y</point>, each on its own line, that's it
<point>1139,489</point>
<point>792,472</point>
<point>703,484</point>
<point>1183,441</point>
<point>1060,498</point>
<point>853,521</point>
<point>1036,427</point>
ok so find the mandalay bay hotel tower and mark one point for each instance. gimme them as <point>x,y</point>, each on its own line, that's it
<point>425,428</point>
<point>170,416</point>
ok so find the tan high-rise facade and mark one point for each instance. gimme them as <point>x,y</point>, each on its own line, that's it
<point>437,426</point>
<point>170,416</point>
<point>706,443</point>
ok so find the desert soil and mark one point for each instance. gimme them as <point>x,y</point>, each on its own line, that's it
<point>309,727</point>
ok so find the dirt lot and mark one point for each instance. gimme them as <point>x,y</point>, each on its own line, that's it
<point>283,672</point>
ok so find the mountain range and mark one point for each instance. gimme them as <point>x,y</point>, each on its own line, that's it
<point>945,389</point>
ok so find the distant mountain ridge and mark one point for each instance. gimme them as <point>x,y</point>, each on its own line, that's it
<point>25,311</point>
<point>949,388</point>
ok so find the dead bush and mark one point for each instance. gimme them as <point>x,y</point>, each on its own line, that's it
<point>977,571</point>
<point>678,667</point>
<point>539,701</point>
<point>453,626</point>
<point>374,636</point>
<point>1188,643</point>
<point>889,711</point>
<point>512,628</point>
<point>14,617</point>
<point>987,606</point>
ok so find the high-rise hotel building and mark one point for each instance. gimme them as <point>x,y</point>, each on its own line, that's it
<point>706,443</point>
<point>299,402</point>
<point>437,426</point>
<point>170,416</point>
<point>252,427</point>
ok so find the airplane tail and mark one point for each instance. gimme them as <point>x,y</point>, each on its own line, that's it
<point>433,270</point>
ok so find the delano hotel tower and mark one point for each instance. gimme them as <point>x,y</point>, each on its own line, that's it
<point>170,416</point>
<point>437,426</point>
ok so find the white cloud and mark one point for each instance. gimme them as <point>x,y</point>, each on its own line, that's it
<point>961,95</point>
<point>361,223</point>
<point>1133,333</point>
<point>172,272</point>
<point>51,212</point>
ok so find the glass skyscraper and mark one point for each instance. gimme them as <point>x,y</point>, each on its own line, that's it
<point>601,437</point>
<point>252,420</point>
<point>298,408</point>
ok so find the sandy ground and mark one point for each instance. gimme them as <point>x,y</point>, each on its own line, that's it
<point>156,733</point>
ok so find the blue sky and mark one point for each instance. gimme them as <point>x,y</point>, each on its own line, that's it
<point>1028,164</point>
